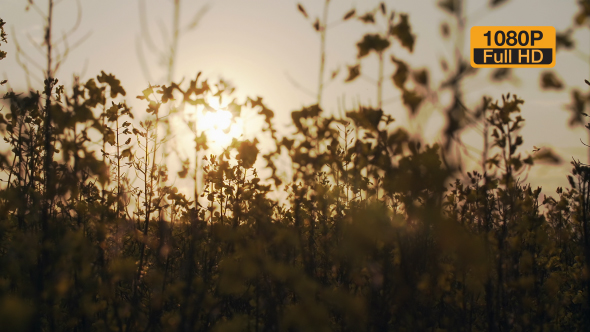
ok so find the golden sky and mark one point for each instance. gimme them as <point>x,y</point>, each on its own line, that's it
<point>264,46</point>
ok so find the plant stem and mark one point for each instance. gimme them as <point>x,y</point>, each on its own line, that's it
<point>323,26</point>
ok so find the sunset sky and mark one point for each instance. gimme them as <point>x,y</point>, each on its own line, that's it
<point>264,46</point>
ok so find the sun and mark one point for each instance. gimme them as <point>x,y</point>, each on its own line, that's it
<point>216,122</point>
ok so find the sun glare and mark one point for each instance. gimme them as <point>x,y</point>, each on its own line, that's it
<point>216,123</point>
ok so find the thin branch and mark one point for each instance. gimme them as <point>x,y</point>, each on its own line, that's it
<point>322,51</point>
<point>391,100</point>
<point>37,10</point>
<point>197,18</point>
<point>62,57</point>
<point>174,42</point>
<point>583,56</point>
<point>20,51</point>
<point>142,63</point>
<point>368,78</point>
<point>299,86</point>
<point>23,65</point>
<point>76,24</point>
<point>164,34</point>
<point>37,46</point>
<point>145,27</point>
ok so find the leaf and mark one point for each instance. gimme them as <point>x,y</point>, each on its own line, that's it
<point>312,111</point>
<point>577,108</point>
<point>449,5</point>
<point>113,82</point>
<point>182,173</point>
<point>302,10</point>
<point>564,40</point>
<point>349,14</point>
<point>2,32</point>
<point>547,156</point>
<point>201,142</point>
<point>421,77</point>
<point>247,153</point>
<point>146,93</point>
<point>257,102</point>
<point>550,81</point>
<point>445,31</point>
<point>235,109</point>
<point>401,74</point>
<point>500,74</point>
<point>109,136</point>
<point>166,92</point>
<point>268,115</point>
<point>335,73</point>
<point>367,18</point>
<point>580,18</point>
<point>353,72</point>
<point>127,141</point>
<point>112,113</point>
<point>287,143</point>
<point>496,3</point>
<point>570,179</point>
<point>126,154</point>
<point>444,65</point>
<point>316,24</point>
<point>403,32</point>
<point>366,117</point>
<point>383,9</point>
<point>95,94</point>
<point>371,42</point>
<point>412,100</point>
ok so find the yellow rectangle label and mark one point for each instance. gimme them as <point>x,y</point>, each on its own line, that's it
<point>513,47</point>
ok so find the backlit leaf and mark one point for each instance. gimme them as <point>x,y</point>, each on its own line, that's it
<point>349,14</point>
<point>403,32</point>
<point>496,3</point>
<point>302,10</point>
<point>550,81</point>
<point>401,74</point>
<point>353,72</point>
<point>412,100</point>
<point>247,153</point>
<point>367,18</point>
<point>371,42</point>
<point>564,40</point>
<point>449,5</point>
<point>114,84</point>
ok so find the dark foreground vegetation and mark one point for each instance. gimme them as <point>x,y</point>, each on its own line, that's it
<point>373,232</point>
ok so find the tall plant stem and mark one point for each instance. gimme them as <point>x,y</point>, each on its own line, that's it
<point>323,26</point>
<point>174,44</point>
<point>380,82</point>
<point>47,122</point>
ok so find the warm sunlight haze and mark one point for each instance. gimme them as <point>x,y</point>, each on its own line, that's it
<point>294,165</point>
<point>216,122</point>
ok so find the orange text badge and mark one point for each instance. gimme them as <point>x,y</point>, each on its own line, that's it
<point>513,47</point>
